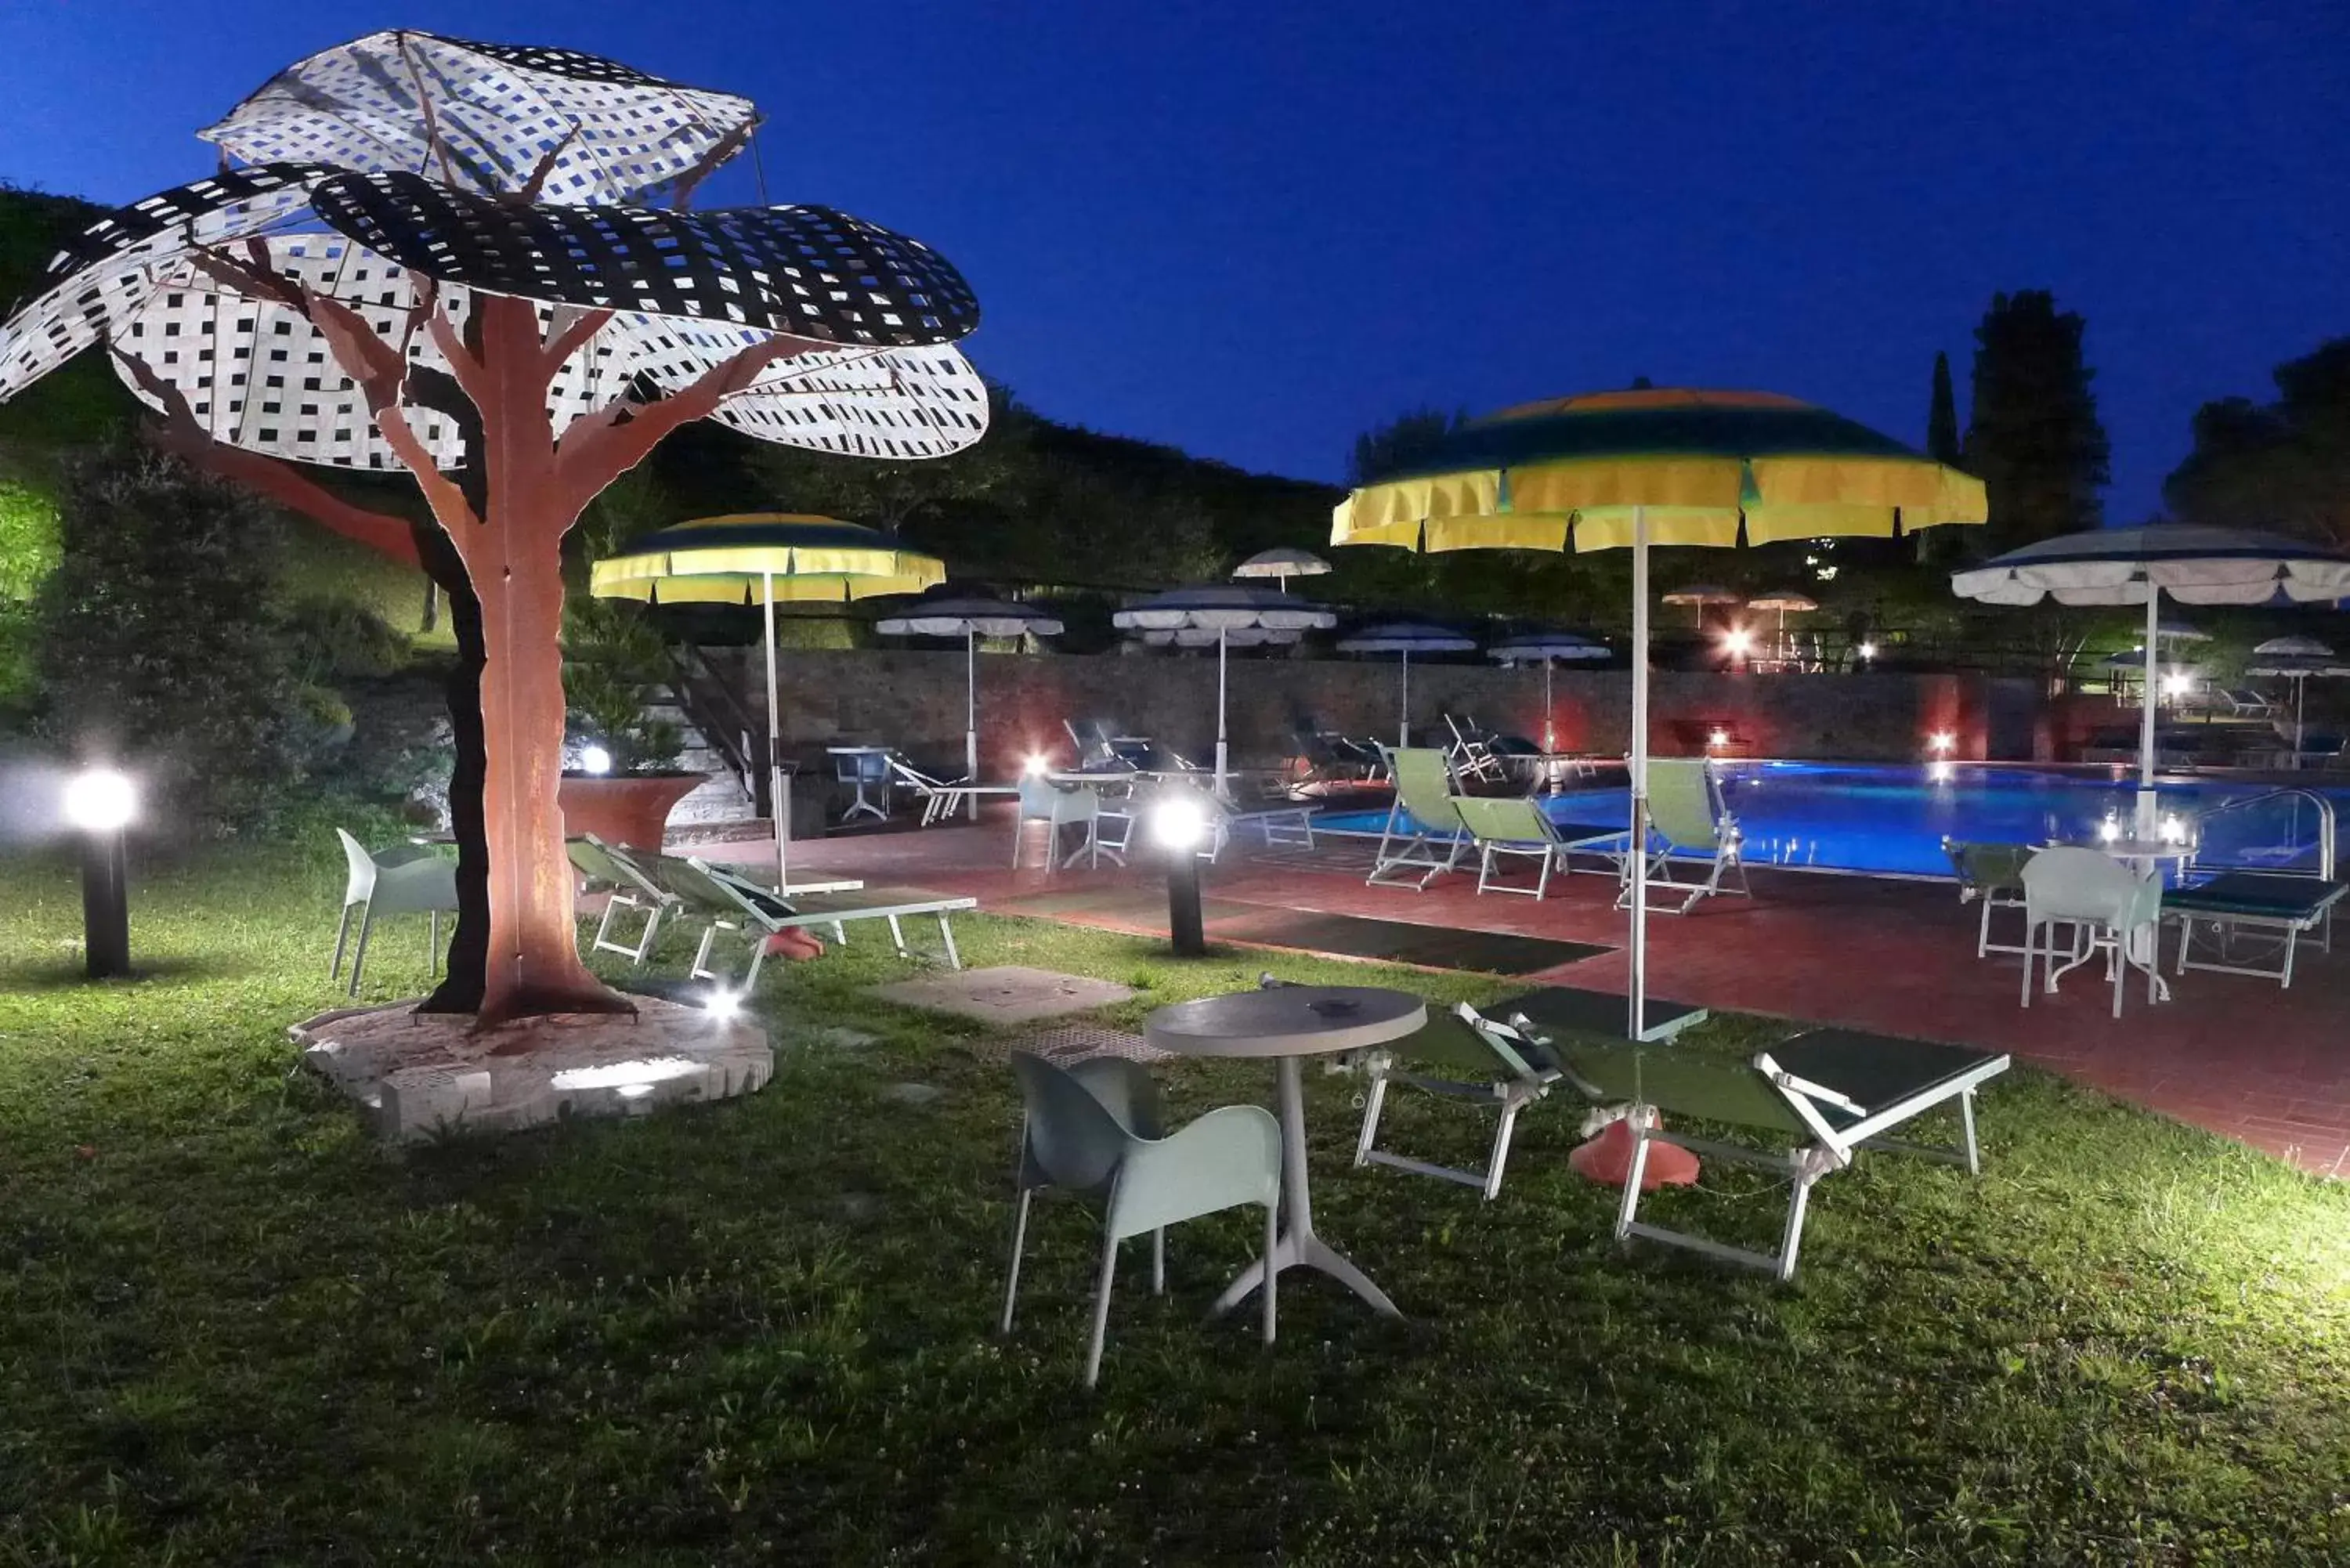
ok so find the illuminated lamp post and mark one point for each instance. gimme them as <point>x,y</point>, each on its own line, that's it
<point>99,803</point>
<point>1177,825</point>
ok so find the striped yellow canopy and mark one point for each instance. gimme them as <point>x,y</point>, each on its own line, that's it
<point>728,560</point>
<point>1709,467</point>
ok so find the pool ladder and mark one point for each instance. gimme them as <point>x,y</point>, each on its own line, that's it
<point>2324,813</point>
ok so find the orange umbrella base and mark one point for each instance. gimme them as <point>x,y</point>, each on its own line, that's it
<point>1608,1159</point>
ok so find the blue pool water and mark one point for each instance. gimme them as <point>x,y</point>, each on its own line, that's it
<point>1892,820</point>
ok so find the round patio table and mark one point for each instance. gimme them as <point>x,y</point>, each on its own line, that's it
<point>1286,1023</point>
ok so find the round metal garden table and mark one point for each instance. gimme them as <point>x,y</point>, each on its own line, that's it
<point>1288,1023</point>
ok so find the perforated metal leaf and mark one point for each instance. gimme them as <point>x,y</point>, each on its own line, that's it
<point>105,274</point>
<point>483,116</point>
<point>811,272</point>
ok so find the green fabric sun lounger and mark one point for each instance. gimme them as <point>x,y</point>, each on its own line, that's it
<point>1503,1062</point>
<point>732,903</point>
<point>2271,907</point>
<point>1834,1091</point>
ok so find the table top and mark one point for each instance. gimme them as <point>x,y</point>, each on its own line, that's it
<point>1287,1020</point>
<point>2138,848</point>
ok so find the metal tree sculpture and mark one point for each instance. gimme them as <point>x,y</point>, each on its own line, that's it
<point>514,338</point>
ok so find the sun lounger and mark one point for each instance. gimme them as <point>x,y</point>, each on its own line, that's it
<point>1513,825</point>
<point>941,798</point>
<point>1686,819</point>
<point>1423,833</point>
<point>1505,1062</point>
<point>1837,1091</point>
<point>733,903</point>
<point>631,888</point>
<point>2271,906</point>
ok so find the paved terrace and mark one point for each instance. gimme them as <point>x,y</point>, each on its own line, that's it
<point>2228,1052</point>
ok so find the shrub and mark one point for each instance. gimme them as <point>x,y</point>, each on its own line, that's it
<point>160,644</point>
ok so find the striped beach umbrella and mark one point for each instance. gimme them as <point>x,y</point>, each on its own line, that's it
<point>970,618</point>
<point>766,558</point>
<point>1406,637</point>
<point>1548,648</point>
<point>1245,616</point>
<point>1654,466</point>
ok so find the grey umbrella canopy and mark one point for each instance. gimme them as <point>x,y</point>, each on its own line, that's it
<point>2192,563</point>
<point>1406,637</point>
<point>1225,615</point>
<point>2299,659</point>
<point>968,617</point>
<point>1548,648</point>
<point>1282,562</point>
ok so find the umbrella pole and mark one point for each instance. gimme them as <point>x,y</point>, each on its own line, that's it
<point>2299,685</point>
<point>779,785</point>
<point>971,720</point>
<point>1403,720</point>
<point>1221,751</point>
<point>2146,812</point>
<point>1638,843</point>
<point>1550,733</point>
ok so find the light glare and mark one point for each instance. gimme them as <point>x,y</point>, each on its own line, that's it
<point>1942,740</point>
<point>595,759</point>
<point>1178,823</point>
<point>100,799</point>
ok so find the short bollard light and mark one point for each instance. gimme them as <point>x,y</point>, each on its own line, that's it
<point>1179,824</point>
<point>99,803</point>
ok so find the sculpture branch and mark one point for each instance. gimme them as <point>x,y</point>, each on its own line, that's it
<point>570,332</point>
<point>382,376</point>
<point>178,432</point>
<point>537,181</point>
<point>600,448</point>
<point>726,146</point>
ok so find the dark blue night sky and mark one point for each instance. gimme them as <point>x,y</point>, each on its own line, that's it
<point>1253,230</point>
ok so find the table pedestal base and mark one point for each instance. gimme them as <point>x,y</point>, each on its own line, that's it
<point>1299,1247</point>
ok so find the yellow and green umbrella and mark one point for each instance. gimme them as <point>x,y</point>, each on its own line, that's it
<point>766,558</point>
<point>1655,466</point>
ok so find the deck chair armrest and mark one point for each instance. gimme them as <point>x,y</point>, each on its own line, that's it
<point>1820,1092</point>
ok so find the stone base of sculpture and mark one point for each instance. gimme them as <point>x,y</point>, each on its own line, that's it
<point>418,1076</point>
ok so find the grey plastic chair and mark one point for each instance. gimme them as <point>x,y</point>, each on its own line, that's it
<point>407,879</point>
<point>1095,1130</point>
<point>1992,873</point>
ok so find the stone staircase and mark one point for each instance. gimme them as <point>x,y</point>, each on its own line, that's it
<point>722,798</point>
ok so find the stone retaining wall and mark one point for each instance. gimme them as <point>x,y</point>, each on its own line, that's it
<point>914,701</point>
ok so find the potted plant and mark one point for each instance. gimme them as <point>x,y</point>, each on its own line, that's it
<point>622,780</point>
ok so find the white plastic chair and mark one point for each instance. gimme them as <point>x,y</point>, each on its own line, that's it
<point>410,879</point>
<point>1095,1130</point>
<point>1041,800</point>
<point>2109,908</point>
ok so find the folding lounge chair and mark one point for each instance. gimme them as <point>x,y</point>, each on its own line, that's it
<point>2276,907</point>
<point>1469,1058</point>
<point>1992,874</point>
<point>941,798</point>
<point>1470,756</point>
<point>631,889</point>
<point>731,903</point>
<point>1513,825</point>
<point>1835,1090</point>
<point>1686,814</point>
<point>1423,834</point>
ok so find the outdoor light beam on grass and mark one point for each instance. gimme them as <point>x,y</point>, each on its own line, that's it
<point>99,803</point>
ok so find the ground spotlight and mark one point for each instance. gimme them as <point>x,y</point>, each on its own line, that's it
<point>1179,825</point>
<point>595,759</point>
<point>1867,651</point>
<point>1942,740</point>
<point>723,1006</point>
<point>99,803</point>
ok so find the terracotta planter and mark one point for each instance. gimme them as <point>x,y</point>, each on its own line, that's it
<point>623,808</point>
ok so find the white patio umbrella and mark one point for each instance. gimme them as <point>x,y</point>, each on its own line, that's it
<point>1242,615</point>
<point>969,618</point>
<point>2297,659</point>
<point>1547,649</point>
<point>2193,564</point>
<point>1406,637</point>
<point>1282,562</point>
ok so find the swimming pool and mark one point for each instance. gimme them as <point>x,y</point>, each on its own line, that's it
<point>1890,820</point>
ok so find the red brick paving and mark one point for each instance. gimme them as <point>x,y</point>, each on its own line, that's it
<point>2231,1053</point>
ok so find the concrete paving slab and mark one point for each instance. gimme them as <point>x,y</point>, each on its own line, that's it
<point>1006,994</point>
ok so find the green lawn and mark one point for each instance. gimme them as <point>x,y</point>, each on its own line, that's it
<point>234,1330</point>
